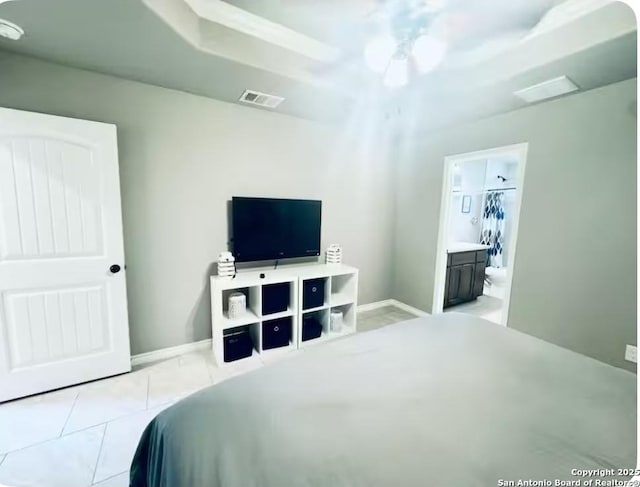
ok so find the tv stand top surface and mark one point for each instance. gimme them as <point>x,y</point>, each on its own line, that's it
<point>283,273</point>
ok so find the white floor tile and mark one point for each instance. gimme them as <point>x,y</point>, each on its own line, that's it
<point>278,355</point>
<point>495,316</point>
<point>120,441</point>
<point>486,307</point>
<point>35,419</point>
<point>199,357</point>
<point>171,383</point>
<point>161,364</point>
<point>102,401</point>
<point>121,480</point>
<point>68,461</point>
<point>218,374</point>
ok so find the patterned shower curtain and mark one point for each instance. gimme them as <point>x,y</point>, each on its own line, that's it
<point>493,227</point>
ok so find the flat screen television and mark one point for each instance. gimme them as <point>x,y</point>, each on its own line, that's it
<point>268,228</point>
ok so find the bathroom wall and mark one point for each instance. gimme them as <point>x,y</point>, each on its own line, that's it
<point>469,180</point>
<point>472,179</point>
<point>507,169</point>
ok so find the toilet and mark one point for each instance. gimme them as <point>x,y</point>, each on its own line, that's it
<point>497,275</point>
<point>496,281</point>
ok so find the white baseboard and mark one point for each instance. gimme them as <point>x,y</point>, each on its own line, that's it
<point>165,353</point>
<point>375,305</point>
<point>409,309</point>
<point>392,302</point>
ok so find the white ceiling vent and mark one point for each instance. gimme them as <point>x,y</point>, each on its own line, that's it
<point>261,99</point>
<point>547,89</point>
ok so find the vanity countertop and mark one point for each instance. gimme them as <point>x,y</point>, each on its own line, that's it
<point>455,247</point>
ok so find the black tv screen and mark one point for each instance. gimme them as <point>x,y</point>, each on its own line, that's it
<point>267,229</point>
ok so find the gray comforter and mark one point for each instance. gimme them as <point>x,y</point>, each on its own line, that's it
<point>445,401</point>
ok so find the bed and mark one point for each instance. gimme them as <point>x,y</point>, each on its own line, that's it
<point>448,401</point>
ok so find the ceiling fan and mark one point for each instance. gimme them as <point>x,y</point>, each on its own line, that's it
<point>407,38</point>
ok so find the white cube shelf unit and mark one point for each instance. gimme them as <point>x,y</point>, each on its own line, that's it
<point>340,292</point>
<point>251,285</point>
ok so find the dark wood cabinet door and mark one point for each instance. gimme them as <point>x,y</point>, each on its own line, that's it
<point>478,280</point>
<point>459,284</point>
<point>465,288</point>
<point>465,277</point>
<point>453,285</point>
<point>446,288</point>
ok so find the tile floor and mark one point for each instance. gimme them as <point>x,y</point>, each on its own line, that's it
<point>87,434</point>
<point>489,305</point>
<point>376,318</point>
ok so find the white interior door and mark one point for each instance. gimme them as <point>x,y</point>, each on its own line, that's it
<point>63,309</point>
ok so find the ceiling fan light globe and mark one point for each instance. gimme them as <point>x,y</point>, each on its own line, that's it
<point>428,52</point>
<point>379,51</point>
<point>9,30</point>
<point>397,74</point>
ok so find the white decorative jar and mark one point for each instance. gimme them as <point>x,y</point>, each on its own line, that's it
<point>336,320</point>
<point>226,265</point>
<point>334,254</point>
<point>237,305</point>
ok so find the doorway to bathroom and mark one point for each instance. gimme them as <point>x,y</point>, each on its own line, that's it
<point>478,232</point>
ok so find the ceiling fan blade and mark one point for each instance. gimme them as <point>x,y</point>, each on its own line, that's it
<point>474,30</point>
<point>347,62</point>
<point>483,51</point>
<point>467,25</point>
<point>386,10</point>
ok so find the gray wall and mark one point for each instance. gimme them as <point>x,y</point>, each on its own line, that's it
<point>574,280</point>
<point>182,157</point>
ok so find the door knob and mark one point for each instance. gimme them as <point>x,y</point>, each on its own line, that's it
<point>115,268</point>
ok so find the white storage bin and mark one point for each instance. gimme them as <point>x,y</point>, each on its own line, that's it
<point>237,305</point>
<point>336,320</point>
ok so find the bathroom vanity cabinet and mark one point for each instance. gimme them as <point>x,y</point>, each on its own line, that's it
<point>465,273</point>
